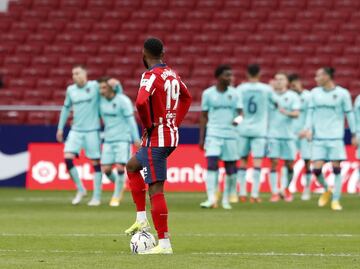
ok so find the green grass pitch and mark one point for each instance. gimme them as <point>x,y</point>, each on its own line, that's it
<point>43,230</point>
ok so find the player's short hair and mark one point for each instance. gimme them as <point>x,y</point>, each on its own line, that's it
<point>221,69</point>
<point>82,66</point>
<point>330,71</point>
<point>282,73</point>
<point>103,79</point>
<point>154,46</point>
<point>253,70</point>
<point>293,77</point>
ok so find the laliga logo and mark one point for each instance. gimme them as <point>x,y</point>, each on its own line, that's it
<point>44,172</point>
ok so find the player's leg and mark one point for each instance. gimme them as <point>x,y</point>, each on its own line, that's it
<point>305,151</point>
<point>138,189</point>
<point>72,148</point>
<point>258,149</point>
<point>92,144</point>
<point>306,195</point>
<point>337,154</point>
<point>289,150</point>
<point>229,154</point>
<point>274,155</point>
<point>230,183</point>
<point>319,153</point>
<point>157,170</point>
<point>212,153</point>
<point>122,155</point>
<point>107,161</point>
<point>244,150</point>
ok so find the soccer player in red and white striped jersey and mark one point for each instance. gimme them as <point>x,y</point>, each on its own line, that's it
<point>162,102</point>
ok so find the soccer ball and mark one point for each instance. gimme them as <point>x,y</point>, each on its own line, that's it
<point>142,241</point>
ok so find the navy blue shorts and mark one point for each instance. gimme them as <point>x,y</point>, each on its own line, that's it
<point>153,161</point>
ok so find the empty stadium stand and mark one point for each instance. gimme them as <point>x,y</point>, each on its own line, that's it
<point>41,39</point>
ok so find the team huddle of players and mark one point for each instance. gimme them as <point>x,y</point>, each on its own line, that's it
<point>92,100</point>
<point>274,121</point>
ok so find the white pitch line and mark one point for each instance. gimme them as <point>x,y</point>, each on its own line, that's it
<point>179,235</point>
<point>269,254</point>
<point>277,254</point>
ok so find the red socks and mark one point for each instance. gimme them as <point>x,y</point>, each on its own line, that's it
<point>159,214</point>
<point>138,189</point>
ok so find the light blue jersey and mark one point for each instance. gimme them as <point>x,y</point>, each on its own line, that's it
<point>280,125</point>
<point>118,117</point>
<point>257,98</point>
<point>326,113</point>
<point>85,104</point>
<point>222,108</point>
<point>300,121</point>
<point>357,114</point>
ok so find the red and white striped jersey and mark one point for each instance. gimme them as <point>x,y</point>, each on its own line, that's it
<point>163,101</point>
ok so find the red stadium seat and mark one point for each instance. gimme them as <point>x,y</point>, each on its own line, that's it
<point>111,50</point>
<point>217,27</point>
<point>12,117</point>
<point>100,5</point>
<point>48,26</point>
<point>204,72</point>
<point>38,15</point>
<point>6,49</point>
<point>264,4</point>
<point>5,25</point>
<point>274,50</point>
<point>57,50</point>
<point>29,50</point>
<point>172,15</point>
<point>89,50</point>
<point>41,117</point>
<point>210,4</point>
<point>161,26</point>
<point>182,71</point>
<point>11,94</point>
<point>79,26</point>
<point>320,4</point>
<point>45,61</point>
<point>122,38</point>
<point>315,39</point>
<point>336,16</point>
<point>133,4</point>
<point>236,38</point>
<point>120,73</point>
<point>68,38</point>
<point>259,39</point>
<point>117,16</point>
<point>239,5</point>
<point>123,61</point>
<point>199,15</point>
<point>349,28</point>
<point>271,27</point>
<point>41,38</point>
<point>341,39</point>
<point>253,50</point>
<point>136,26</point>
<point>286,63</point>
<point>189,26</point>
<point>15,38</point>
<point>193,50</point>
<point>37,95</point>
<point>51,83</point>
<point>286,39</point>
<point>106,27</point>
<point>78,4</point>
<point>60,73</point>
<point>102,61</point>
<point>179,38</point>
<point>331,50</point>
<point>22,83</point>
<point>69,62</point>
<point>222,50</point>
<point>323,27</point>
<point>282,16</point>
<point>63,15</point>
<point>302,50</point>
<point>155,4</point>
<point>22,26</point>
<point>257,16</point>
<point>298,27</point>
<point>352,51</point>
<point>206,38</point>
<point>316,62</point>
<point>311,16</point>
<point>89,15</point>
<point>344,61</point>
<point>19,61</point>
<point>96,38</point>
<point>182,4</point>
<point>227,15</point>
<point>48,4</point>
<point>35,72</point>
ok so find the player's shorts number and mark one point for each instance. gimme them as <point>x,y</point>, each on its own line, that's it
<point>252,106</point>
<point>172,88</point>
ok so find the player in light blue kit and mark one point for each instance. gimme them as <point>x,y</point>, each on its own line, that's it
<point>325,122</point>
<point>221,104</point>
<point>303,144</point>
<point>83,97</point>
<point>282,143</point>
<point>357,120</point>
<point>257,98</point>
<point>117,113</point>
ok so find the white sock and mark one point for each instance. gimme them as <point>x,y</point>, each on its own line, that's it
<point>141,216</point>
<point>165,243</point>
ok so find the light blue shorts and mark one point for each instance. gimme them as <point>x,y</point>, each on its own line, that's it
<point>304,147</point>
<point>328,150</point>
<point>255,145</point>
<point>224,148</point>
<point>284,149</point>
<point>89,141</point>
<point>115,152</point>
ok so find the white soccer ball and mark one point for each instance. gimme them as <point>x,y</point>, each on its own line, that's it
<point>142,241</point>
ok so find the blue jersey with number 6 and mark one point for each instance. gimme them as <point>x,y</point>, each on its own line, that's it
<point>257,98</point>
